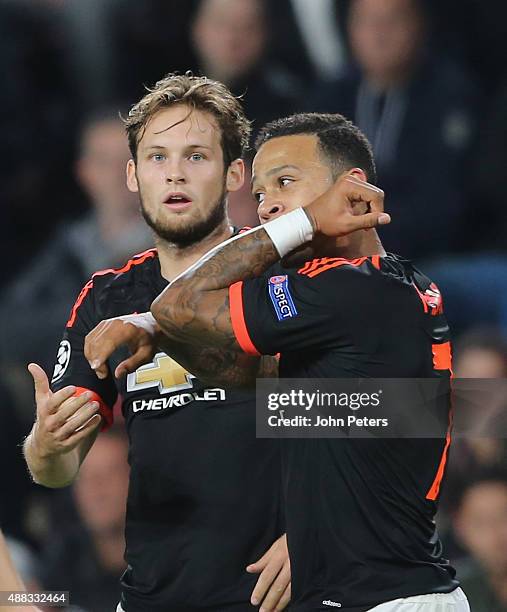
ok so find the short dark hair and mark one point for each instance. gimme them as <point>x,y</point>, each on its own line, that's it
<point>341,143</point>
<point>198,93</point>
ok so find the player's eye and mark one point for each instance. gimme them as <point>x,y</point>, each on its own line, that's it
<point>197,157</point>
<point>284,180</point>
<point>259,197</point>
<point>157,157</point>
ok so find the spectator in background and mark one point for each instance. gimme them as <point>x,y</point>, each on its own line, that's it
<point>231,40</point>
<point>87,558</point>
<point>418,110</point>
<point>481,525</point>
<point>309,36</point>
<point>32,308</point>
<point>481,353</point>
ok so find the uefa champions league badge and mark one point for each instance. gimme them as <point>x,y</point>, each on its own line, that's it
<point>62,360</point>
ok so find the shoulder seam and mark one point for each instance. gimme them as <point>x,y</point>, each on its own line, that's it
<point>134,261</point>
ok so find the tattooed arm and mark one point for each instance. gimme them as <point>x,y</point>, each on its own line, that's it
<point>194,309</point>
<point>140,332</point>
<point>193,313</point>
<point>217,366</point>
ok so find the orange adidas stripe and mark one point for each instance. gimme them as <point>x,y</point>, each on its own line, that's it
<point>327,263</point>
<point>238,319</point>
<point>313,264</point>
<point>306,267</point>
<point>136,260</point>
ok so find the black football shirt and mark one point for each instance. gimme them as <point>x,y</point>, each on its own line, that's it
<point>204,493</point>
<point>360,512</point>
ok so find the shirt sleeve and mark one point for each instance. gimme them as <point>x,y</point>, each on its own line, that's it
<point>276,313</point>
<point>71,366</point>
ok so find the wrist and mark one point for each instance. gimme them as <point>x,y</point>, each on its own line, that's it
<point>290,231</point>
<point>38,451</point>
<point>310,213</point>
<point>144,320</point>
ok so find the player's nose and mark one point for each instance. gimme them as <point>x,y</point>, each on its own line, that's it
<point>174,173</point>
<point>270,209</point>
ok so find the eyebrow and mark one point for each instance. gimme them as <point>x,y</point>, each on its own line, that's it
<point>276,170</point>
<point>190,146</point>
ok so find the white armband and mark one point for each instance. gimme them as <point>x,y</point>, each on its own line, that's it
<point>289,231</point>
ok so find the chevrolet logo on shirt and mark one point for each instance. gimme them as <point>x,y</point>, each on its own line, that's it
<point>164,373</point>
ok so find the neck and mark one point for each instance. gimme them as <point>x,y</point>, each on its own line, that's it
<point>174,259</point>
<point>360,244</point>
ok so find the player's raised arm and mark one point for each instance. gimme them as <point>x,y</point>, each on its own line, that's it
<point>194,308</point>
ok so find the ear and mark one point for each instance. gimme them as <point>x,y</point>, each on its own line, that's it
<point>358,174</point>
<point>235,175</point>
<point>131,176</point>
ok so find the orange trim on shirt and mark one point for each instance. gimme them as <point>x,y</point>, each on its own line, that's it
<point>435,487</point>
<point>135,261</point>
<point>105,412</point>
<point>375,260</point>
<point>238,319</point>
<point>313,264</point>
<point>442,359</point>
<point>316,266</point>
<point>434,490</point>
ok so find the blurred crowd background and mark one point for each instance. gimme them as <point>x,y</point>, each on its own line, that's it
<point>426,80</point>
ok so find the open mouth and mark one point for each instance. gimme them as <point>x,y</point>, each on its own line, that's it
<point>177,201</point>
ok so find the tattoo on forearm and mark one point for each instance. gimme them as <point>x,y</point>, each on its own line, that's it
<point>194,310</point>
<point>244,257</point>
<point>217,366</point>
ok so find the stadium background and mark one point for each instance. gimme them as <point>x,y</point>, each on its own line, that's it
<point>440,137</point>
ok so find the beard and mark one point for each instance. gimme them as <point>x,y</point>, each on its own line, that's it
<point>193,233</point>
